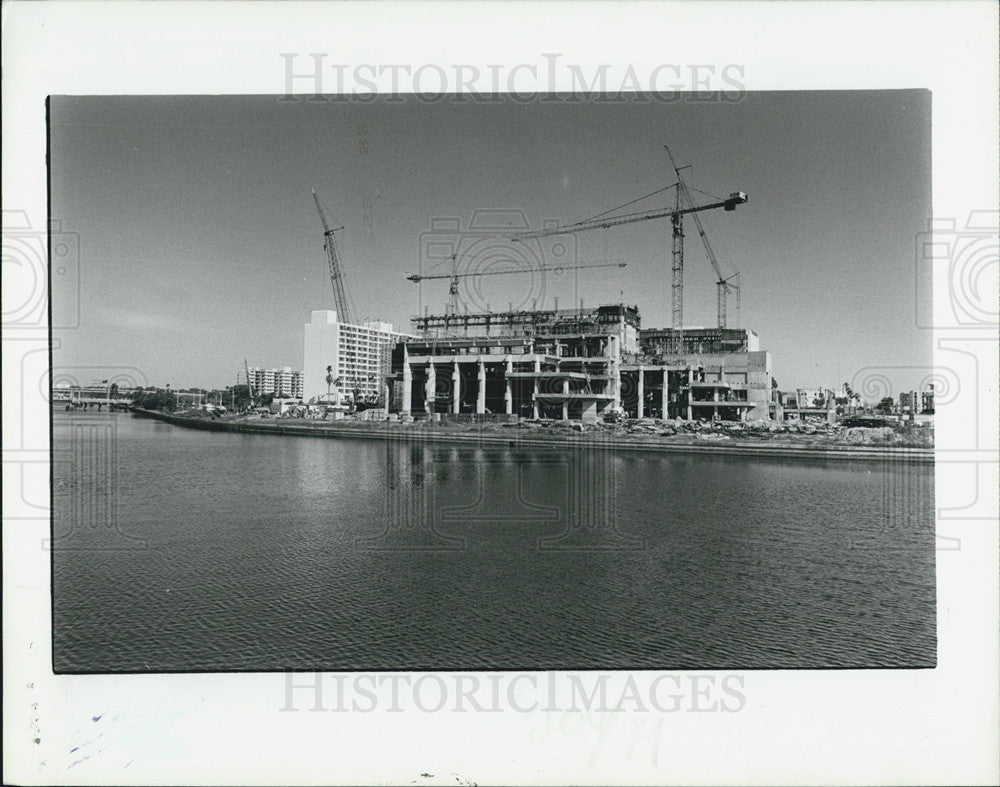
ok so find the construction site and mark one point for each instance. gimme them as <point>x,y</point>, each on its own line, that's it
<point>587,364</point>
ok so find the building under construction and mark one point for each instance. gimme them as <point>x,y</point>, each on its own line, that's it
<point>568,364</point>
<point>578,364</point>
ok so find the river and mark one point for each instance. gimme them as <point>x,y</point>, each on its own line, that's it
<point>185,550</point>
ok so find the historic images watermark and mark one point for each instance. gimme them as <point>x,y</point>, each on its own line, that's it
<point>517,692</point>
<point>323,79</point>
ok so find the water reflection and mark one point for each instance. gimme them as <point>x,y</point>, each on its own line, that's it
<point>349,554</point>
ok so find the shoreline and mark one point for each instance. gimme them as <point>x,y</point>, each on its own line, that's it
<point>517,438</point>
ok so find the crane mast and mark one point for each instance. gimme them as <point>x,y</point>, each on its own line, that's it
<point>723,285</point>
<point>246,368</point>
<point>683,205</point>
<point>336,276</point>
<point>677,264</point>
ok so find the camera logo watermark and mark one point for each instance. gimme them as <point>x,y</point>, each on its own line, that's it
<point>86,480</point>
<point>26,249</point>
<point>964,257</point>
<point>86,488</point>
<point>903,485</point>
<point>482,250</point>
<point>418,519</point>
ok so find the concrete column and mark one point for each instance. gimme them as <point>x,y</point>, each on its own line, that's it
<point>641,405</point>
<point>407,383</point>
<point>534,397</point>
<point>481,393</point>
<point>614,372</point>
<point>715,407</point>
<point>690,394</point>
<point>429,388</point>
<point>565,388</point>
<point>508,394</point>
<point>665,393</point>
<point>456,388</point>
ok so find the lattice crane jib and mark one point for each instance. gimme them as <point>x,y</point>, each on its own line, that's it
<point>333,262</point>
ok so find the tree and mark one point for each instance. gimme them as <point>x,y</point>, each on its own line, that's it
<point>886,405</point>
<point>155,399</point>
<point>239,396</point>
<point>113,391</point>
<point>329,379</point>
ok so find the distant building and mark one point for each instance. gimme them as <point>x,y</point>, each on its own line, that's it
<point>358,356</point>
<point>909,402</point>
<point>808,403</point>
<point>283,383</point>
<point>927,401</point>
<point>813,398</point>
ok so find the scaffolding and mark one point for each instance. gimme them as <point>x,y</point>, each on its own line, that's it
<point>602,319</point>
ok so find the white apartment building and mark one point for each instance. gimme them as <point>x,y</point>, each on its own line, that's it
<point>358,355</point>
<point>283,383</point>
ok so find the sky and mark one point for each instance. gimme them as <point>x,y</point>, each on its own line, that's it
<point>200,244</point>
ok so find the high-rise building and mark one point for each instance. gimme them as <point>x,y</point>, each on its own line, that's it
<point>284,383</point>
<point>357,356</point>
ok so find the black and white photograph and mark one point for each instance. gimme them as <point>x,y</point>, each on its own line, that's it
<point>579,408</point>
<point>580,399</point>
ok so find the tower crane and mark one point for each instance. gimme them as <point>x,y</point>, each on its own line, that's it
<point>724,284</point>
<point>336,276</point>
<point>452,307</point>
<point>676,215</point>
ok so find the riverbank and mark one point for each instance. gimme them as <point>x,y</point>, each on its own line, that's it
<point>645,435</point>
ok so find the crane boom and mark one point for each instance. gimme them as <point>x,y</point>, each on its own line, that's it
<point>333,261</point>
<point>730,203</point>
<point>722,283</point>
<point>417,277</point>
<point>451,308</point>
<point>676,215</point>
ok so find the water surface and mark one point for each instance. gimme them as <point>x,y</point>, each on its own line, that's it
<point>181,550</point>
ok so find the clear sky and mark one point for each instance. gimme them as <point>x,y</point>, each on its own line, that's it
<point>200,244</point>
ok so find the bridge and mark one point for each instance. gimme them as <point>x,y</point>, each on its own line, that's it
<point>86,398</point>
<point>101,397</point>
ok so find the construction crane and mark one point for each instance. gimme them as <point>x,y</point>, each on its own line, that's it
<point>246,367</point>
<point>724,284</point>
<point>336,277</point>
<point>451,309</point>
<point>676,215</point>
